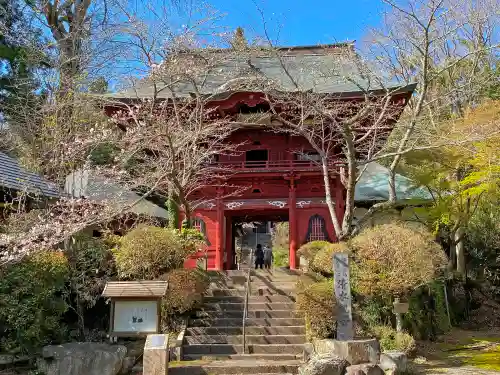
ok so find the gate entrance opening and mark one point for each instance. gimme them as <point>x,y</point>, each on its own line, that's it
<point>250,230</point>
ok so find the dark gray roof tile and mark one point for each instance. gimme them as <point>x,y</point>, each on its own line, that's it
<point>13,176</point>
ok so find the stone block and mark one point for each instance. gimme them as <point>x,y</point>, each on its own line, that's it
<point>353,351</point>
<point>86,358</point>
<point>323,365</point>
<point>155,358</point>
<point>364,369</point>
<point>394,361</point>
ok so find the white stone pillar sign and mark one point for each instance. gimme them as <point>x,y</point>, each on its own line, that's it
<point>343,295</point>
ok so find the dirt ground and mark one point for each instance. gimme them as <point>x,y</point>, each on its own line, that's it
<point>460,352</point>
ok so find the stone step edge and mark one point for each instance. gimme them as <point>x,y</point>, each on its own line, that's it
<point>239,357</point>
<point>232,327</point>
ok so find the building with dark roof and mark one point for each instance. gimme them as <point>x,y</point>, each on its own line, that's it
<point>278,172</point>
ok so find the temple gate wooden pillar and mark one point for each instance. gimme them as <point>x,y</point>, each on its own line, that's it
<point>292,217</point>
<point>219,227</point>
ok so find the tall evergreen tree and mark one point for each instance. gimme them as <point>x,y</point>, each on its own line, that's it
<point>239,41</point>
<point>21,54</point>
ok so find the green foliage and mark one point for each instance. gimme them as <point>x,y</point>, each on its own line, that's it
<point>103,153</point>
<point>427,316</point>
<point>32,302</point>
<point>323,260</point>
<point>373,311</point>
<point>390,339</point>
<point>91,266</point>
<point>309,250</point>
<point>280,237</point>
<point>482,243</point>
<point>99,85</point>
<point>173,212</point>
<point>317,303</point>
<point>281,257</point>
<point>147,252</point>
<point>186,288</point>
<point>392,259</point>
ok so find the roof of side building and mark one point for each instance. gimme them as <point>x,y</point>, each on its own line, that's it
<point>14,176</point>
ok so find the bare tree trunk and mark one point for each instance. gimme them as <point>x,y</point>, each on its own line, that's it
<point>459,250</point>
<point>328,197</point>
<point>350,186</point>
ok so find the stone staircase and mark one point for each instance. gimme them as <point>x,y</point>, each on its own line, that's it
<point>275,336</point>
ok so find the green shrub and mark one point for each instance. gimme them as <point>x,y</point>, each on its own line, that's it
<point>103,153</point>
<point>91,266</point>
<point>318,305</point>
<point>390,339</point>
<point>186,288</point>
<point>393,259</point>
<point>323,260</point>
<point>148,252</point>
<point>281,257</point>
<point>374,311</point>
<point>427,316</point>
<point>32,302</point>
<point>309,250</point>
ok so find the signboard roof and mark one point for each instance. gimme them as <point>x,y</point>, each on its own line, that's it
<point>135,289</point>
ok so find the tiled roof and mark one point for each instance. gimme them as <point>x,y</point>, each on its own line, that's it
<point>15,177</point>
<point>373,186</point>
<point>319,70</point>
<point>86,183</point>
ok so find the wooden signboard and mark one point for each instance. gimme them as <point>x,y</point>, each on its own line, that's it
<point>135,307</point>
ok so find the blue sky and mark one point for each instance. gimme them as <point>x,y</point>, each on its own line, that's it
<point>303,22</point>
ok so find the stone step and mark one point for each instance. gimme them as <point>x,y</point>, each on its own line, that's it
<point>240,357</point>
<point>252,314</point>
<point>251,330</point>
<point>235,367</point>
<point>255,322</point>
<point>228,349</point>
<point>250,339</point>
<point>251,299</point>
<point>273,284</point>
<point>214,292</point>
<point>252,306</point>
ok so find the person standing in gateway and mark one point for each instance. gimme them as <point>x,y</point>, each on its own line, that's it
<point>268,257</point>
<point>259,257</point>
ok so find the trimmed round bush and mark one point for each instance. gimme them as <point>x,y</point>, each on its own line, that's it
<point>318,305</point>
<point>310,249</point>
<point>393,259</point>
<point>147,252</point>
<point>323,260</point>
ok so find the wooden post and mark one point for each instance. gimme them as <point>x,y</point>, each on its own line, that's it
<point>219,234</point>
<point>292,213</point>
